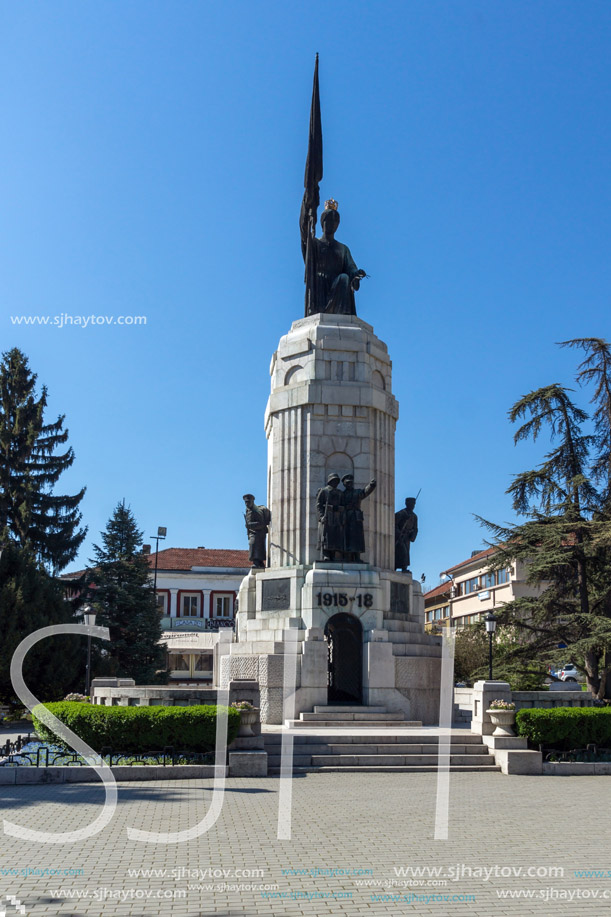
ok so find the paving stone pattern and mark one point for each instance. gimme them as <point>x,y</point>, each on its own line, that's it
<point>340,821</point>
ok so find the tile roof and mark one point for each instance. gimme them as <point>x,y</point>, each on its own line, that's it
<point>185,558</point>
<point>471,560</point>
<point>439,590</point>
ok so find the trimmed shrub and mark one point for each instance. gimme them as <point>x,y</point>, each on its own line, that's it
<point>565,728</point>
<point>139,729</point>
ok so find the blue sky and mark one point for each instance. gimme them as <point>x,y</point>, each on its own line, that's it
<point>153,165</point>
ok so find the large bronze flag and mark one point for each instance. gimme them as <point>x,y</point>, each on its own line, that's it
<point>311,196</point>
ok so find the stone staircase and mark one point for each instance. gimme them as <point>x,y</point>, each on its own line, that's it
<point>460,716</point>
<point>350,717</point>
<point>335,742</point>
<point>463,705</point>
<point>407,636</point>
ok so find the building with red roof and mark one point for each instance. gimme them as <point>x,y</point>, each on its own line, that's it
<point>196,593</point>
<point>470,590</point>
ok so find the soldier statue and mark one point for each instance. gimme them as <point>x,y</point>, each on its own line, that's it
<point>406,531</point>
<point>354,534</point>
<point>330,519</point>
<point>257,519</point>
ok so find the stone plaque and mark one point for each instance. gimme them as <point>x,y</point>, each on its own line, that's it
<point>399,597</point>
<point>276,595</point>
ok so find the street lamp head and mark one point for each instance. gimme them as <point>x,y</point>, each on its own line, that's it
<point>88,616</point>
<point>490,621</point>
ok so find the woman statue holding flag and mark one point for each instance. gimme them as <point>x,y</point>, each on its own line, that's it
<point>331,276</point>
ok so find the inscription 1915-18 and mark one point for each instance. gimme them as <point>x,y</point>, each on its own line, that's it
<point>342,600</point>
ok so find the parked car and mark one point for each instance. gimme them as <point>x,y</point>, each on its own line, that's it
<point>570,672</point>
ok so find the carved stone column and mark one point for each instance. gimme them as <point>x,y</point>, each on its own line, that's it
<point>331,408</point>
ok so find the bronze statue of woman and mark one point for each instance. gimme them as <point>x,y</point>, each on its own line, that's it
<point>335,276</point>
<point>331,276</point>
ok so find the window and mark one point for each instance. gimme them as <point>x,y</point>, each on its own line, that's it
<point>471,585</point>
<point>223,606</point>
<point>190,665</point>
<point>161,599</point>
<point>489,580</point>
<point>178,662</point>
<point>190,605</point>
<point>503,576</point>
<point>203,663</point>
<point>429,616</point>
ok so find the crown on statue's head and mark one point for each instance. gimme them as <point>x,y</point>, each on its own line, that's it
<point>331,204</point>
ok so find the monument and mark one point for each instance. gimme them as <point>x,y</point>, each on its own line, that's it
<point>330,589</point>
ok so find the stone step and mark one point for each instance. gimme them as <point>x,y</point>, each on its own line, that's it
<point>382,769</point>
<point>361,715</point>
<point>347,708</point>
<point>352,724</point>
<point>339,748</point>
<point>275,635</point>
<point>397,616</point>
<point>416,649</point>
<point>400,636</point>
<point>402,627</point>
<point>262,648</point>
<point>398,760</point>
<point>274,739</point>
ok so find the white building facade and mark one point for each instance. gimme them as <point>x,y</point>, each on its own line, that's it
<point>197,596</point>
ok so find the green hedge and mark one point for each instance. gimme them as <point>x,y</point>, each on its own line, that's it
<point>565,728</point>
<point>136,729</point>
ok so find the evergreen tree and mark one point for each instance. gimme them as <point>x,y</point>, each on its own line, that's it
<point>596,370</point>
<point>30,599</point>
<point>123,597</point>
<point>30,513</point>
<point>565,541</point>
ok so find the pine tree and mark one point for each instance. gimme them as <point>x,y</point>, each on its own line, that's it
<point>31,514</point>
<point>30,599</point>
<point>123,597</point>
<point>596,370</point>
<point>565,541</point>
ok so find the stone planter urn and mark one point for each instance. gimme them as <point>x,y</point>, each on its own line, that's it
<point>248,718</point>
<point>503,720</point>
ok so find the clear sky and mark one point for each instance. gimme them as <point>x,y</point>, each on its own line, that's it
<point>152,165</point>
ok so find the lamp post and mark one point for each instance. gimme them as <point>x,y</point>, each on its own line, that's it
<point>161,533</point>
<point>490,629</point>
<point>89,620</point>
<point>452,595</point>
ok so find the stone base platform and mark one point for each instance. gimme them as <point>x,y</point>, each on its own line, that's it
<point>290,611</point>
<point>376,749</point>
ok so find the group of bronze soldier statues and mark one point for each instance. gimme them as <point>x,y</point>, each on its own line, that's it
<point>341,535</point>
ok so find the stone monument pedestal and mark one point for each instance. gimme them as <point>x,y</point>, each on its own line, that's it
<point>356,631</point>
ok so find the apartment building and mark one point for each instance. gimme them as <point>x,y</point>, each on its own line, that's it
<point>470,591</point>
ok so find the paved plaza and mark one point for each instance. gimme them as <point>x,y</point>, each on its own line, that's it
<point>361,844</point>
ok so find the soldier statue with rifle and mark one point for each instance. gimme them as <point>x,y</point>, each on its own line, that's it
<point>406,531</point>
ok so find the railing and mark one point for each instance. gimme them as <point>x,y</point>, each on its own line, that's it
<point>590,754</point>
<point>45,756</point>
